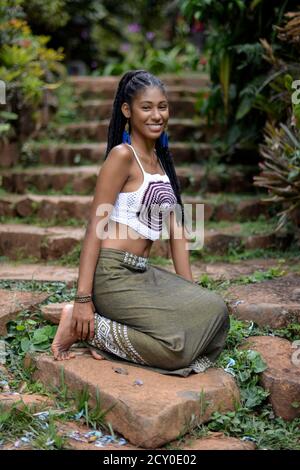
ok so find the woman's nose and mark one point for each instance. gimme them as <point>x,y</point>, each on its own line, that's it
<point>156,114</point>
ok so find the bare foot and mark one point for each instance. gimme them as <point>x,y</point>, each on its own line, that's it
<point>64,338</point>
<point>96,355</point>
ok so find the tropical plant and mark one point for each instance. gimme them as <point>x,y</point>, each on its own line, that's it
<point>28,68</point>
<point>105,37</point>
<point>239,95</point>
<point>280,169</point>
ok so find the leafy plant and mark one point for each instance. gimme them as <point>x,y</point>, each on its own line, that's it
<point>93,416</point>
<point>27,66</point>
<point>280,170</point>
<point>25,335</point>
<point>246,367</point>
<point>239,99</point>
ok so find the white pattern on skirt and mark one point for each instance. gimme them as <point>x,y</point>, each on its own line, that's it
<point>108,337</point>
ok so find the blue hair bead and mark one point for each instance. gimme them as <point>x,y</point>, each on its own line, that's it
<point>164,139</point>
<point>126,137</point>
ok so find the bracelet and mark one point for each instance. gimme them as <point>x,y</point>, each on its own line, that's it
<point>83,298</point>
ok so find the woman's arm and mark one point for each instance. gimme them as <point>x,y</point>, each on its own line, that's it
<point>180,254</point>
<point>111,178</point>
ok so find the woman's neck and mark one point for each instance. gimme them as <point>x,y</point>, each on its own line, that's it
<point>145,148</point>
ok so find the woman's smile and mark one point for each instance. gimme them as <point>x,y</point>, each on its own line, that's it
<point>155,127</point>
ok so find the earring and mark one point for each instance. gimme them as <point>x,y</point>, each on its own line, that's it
<point>126,135</point>
<point>164,140</point>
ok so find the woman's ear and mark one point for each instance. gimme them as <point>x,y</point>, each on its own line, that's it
<point>125,110</point>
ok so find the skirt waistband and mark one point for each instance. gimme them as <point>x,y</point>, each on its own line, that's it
<point>126,257</point>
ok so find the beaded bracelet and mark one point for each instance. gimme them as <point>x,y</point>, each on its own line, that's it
<point>83,298</point>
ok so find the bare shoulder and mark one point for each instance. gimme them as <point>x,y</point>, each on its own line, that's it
<point>121,152</point>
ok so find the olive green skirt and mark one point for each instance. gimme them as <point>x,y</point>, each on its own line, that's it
<point>149,317</point>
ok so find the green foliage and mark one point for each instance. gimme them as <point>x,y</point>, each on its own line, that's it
<point>25,335</point>
<point>242,90</point>
<point>259,276</point>
<point>174,60</point>
<point>144,41</point>
<point>25,424</point>
<point>280,171</point>
<point>267,431</point>
<point>93,416</point>
<point>111,37</point>
<point>290,332</point>
<point>6,127</point>
<point>52,14</point>
<point>27,66</point>
<point>253,419</point>
<point>246,367</point>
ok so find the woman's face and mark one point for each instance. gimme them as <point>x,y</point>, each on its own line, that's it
<point>150,113</point>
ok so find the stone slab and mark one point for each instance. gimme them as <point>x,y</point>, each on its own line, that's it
<point>274,303</point>
<point>147,415</point>
<point>282,377</point>
<point>13,302</point>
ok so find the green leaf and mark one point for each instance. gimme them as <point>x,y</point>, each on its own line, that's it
<point>20,328</point>
<point>244,107</point>
<point>39,337</point>
<point>25,344</point>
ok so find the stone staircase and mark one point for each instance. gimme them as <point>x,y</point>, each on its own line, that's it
<point>43,211</point>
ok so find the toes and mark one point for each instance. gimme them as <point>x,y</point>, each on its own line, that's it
<point>96,355</point>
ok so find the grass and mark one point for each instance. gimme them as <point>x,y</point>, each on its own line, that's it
<point>257,276</point>
<point>260,226</point>
<point>38,221</point>
<point>237,254</point>
<point>253,418</point>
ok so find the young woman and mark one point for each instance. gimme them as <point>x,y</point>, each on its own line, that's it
<point>125,308</point>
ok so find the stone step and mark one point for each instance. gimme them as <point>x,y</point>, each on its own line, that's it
<point>178,130</point>
<point>106,86</point>
<point>218,441</point>
<point>20,401</point>
<point>175,92</point>
<point>38,272</point>
<point>21,241</point>
<point>82,179</point>
<point>282,376</point>
<point>45,272</point>
<point>218,271</point>
<point>60,208</point>
<point>148,415</point>
<point>96,109</point>
<point>91,152</point>
<point>13,302</point>
<point>274,303</point>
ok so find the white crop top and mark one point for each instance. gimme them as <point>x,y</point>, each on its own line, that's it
<point>145,209</point>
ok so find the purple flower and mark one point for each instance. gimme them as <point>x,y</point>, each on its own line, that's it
<point>125,47</point>
<point>150,35</point>
<point>134,28</point>
<point>84,34</point>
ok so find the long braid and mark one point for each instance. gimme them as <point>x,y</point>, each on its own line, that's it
<point>132,82</point>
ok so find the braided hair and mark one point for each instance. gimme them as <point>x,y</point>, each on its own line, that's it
<point>130,84</point>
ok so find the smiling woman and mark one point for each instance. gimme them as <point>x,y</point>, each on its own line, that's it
<point>127,309</point>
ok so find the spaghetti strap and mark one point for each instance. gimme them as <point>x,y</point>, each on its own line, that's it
<point>137,158</point>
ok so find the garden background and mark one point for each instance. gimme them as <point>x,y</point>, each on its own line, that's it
<point>232,73</point>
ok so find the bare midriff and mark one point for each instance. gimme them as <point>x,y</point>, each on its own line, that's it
<point>134,242</point>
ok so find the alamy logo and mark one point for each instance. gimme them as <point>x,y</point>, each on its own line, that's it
<point>296,94</point>
<point>2,92</point>
<point>2,352</point>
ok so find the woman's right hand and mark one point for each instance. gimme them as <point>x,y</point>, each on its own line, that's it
<point>83,323</point>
